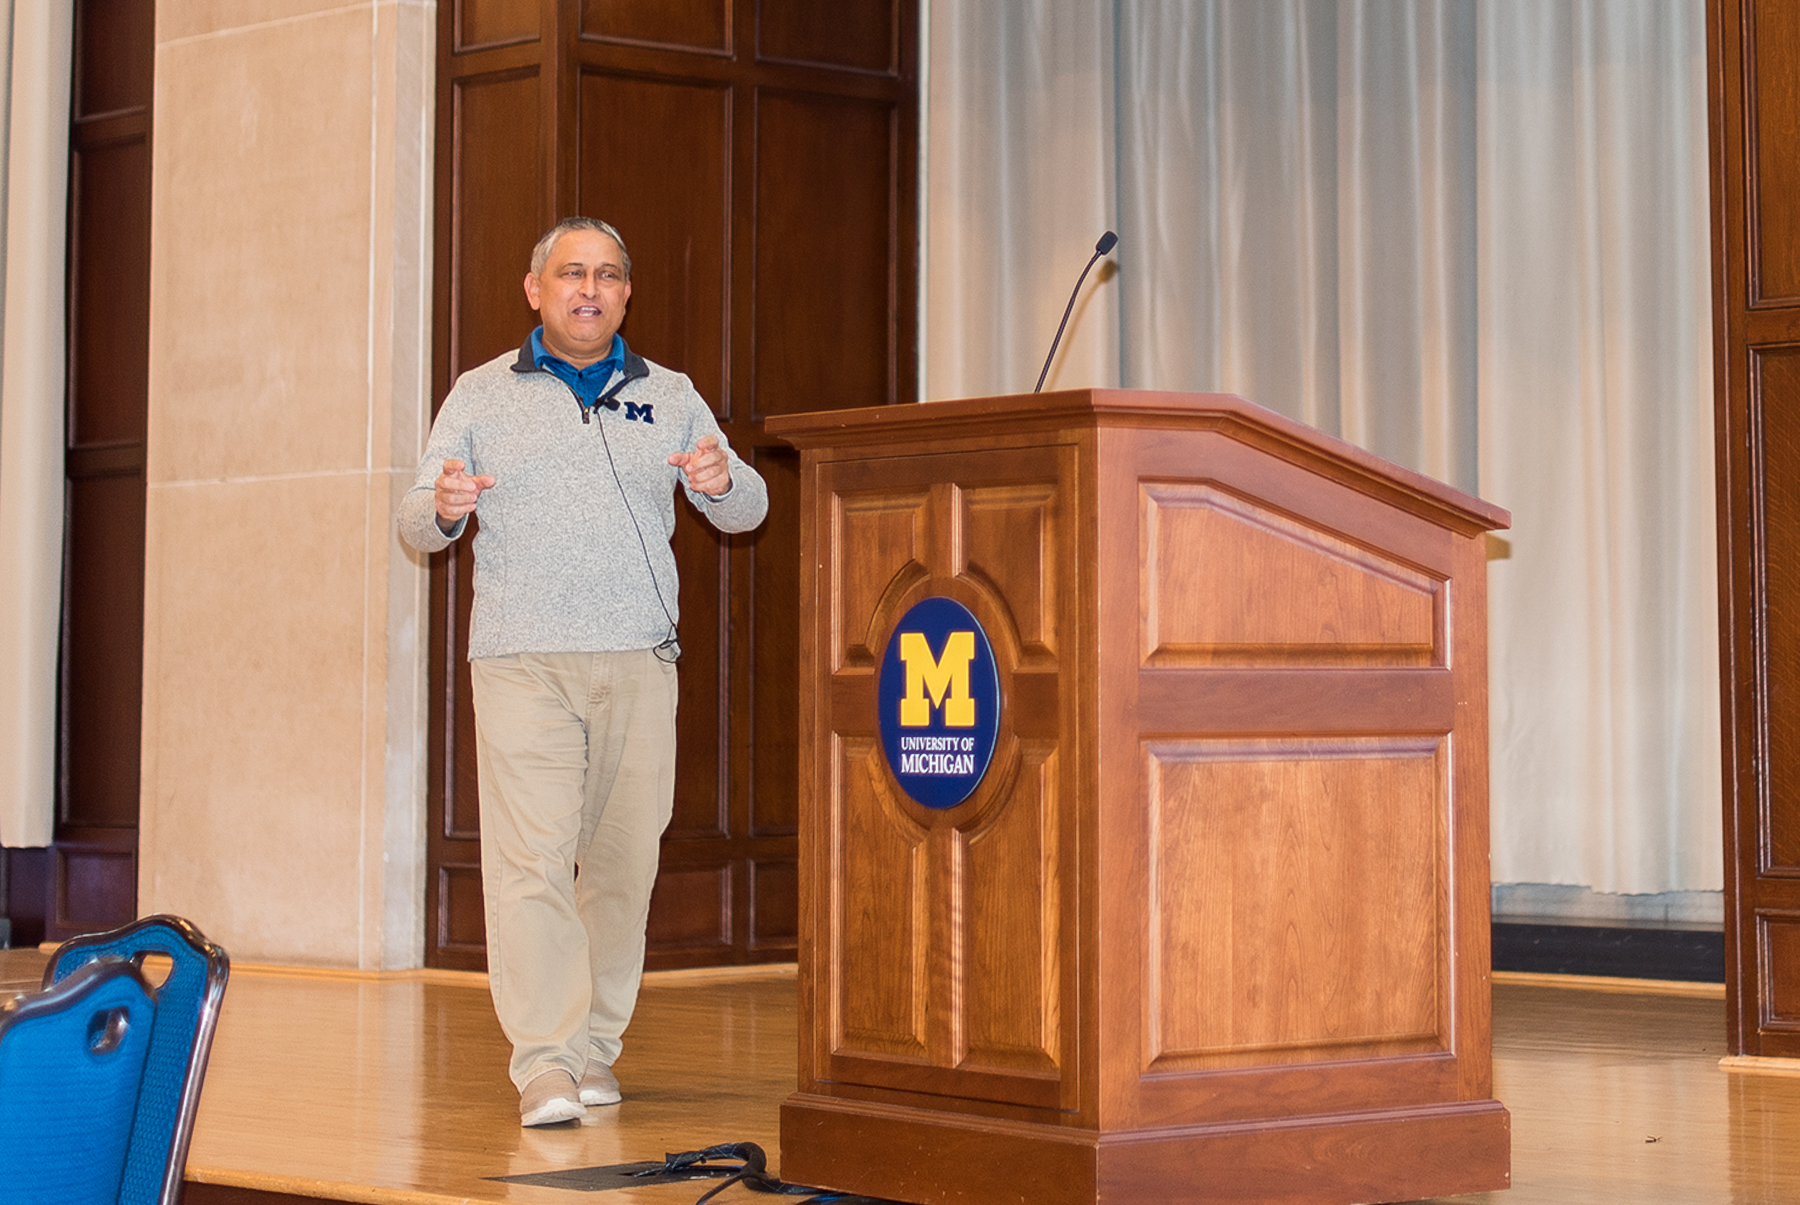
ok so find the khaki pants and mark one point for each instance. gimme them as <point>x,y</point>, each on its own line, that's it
<point>576,761</point>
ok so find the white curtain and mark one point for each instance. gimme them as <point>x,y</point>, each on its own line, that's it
<point>31,415</point>
<point>1469,237</point>
<point>1021,137</point>
<point>1596,429</point>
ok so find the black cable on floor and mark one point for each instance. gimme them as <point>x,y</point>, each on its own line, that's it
<point>752,1171</point>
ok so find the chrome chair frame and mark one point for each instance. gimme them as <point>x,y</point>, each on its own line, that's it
<point>187,1012</point>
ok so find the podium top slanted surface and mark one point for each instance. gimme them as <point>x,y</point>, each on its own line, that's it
<point>1227,413</point>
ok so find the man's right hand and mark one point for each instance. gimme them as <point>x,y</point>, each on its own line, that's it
<point>457,493</point>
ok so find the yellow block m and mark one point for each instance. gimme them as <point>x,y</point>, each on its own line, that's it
<point>930,679</point>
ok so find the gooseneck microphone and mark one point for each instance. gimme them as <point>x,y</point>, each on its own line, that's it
<point>1107,242</point>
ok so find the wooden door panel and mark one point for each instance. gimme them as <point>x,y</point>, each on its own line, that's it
<point>774,906</point>
<point>460,924</point>
<point>774,637</point>
<point>109,271</point>
<point>89,877</point>
<point>112,71</point>
<point>691,913</point>
<point>103,670</point>
<point>1778,953</point>
<point>827,215</point>
<point>484,24</point>
<point>496,167</point>
<point>462,790</point>
<point>702,720</point>
<point>769,213</point>
<point>456,933</point>
<point>656,163</point>
<point>94,882</point>
<point>1775,403</point>
<point>858,35</point>
<point>1772,180</point>
<point>1754,114</point>
<point>703,25</point>
<point>492,180</point>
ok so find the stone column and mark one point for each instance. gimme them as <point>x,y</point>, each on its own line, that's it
<point>284,669</point>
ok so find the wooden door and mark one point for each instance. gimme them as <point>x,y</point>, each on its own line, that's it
<point>759,159</point>
<point>1754,95</point>
<point>87,879</point>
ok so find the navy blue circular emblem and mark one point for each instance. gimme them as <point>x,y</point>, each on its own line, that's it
<point>939,697</point>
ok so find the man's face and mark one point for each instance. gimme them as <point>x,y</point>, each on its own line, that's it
<point>581,296</point>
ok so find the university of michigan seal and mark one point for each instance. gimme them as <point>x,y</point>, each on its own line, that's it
<point>939,696</point>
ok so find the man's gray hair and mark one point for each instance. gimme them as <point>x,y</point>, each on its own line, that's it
<point>540,254</point>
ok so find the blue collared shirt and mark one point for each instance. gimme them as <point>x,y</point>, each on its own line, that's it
<point>588,383</point>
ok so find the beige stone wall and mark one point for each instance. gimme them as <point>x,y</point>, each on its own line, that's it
<point>284,679</point>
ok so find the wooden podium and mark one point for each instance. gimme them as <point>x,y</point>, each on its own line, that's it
<point>1214,924</point>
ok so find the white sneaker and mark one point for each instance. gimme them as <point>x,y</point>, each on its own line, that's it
<point>598,1084</point>
<point>550,1097</point>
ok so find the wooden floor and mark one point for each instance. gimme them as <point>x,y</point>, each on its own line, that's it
<point>387,1090</point>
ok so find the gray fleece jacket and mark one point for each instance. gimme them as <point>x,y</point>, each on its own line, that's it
<point>572,549</point>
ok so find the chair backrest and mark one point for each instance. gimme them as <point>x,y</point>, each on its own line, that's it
<point>72,1059</point>
<point>187,1011</point>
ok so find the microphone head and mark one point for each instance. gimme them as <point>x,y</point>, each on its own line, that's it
<point>1107,242</point>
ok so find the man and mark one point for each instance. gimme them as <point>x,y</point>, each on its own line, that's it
<point>570,450</point>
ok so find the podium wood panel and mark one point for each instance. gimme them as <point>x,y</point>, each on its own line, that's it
<point>1227,585</point>
<point>1260,853</point>
<point>1220,900</point>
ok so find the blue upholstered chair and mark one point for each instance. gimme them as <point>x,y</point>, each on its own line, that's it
<point>187,1011</point>
<point>72,1062</point>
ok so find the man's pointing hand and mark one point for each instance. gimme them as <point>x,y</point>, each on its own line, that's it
<point>707,467</point>
<point>456,493</point>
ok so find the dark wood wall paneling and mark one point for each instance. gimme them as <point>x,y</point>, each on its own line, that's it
<point>759,160</point>
<point>88,879</point>
<point>1754,86</point>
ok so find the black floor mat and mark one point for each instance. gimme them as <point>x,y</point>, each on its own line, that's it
<point>602,1179</point>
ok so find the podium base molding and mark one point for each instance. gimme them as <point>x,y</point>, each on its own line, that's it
<point>928,1157</point>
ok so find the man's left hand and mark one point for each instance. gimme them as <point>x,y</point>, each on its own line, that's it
<point>707,467</point>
